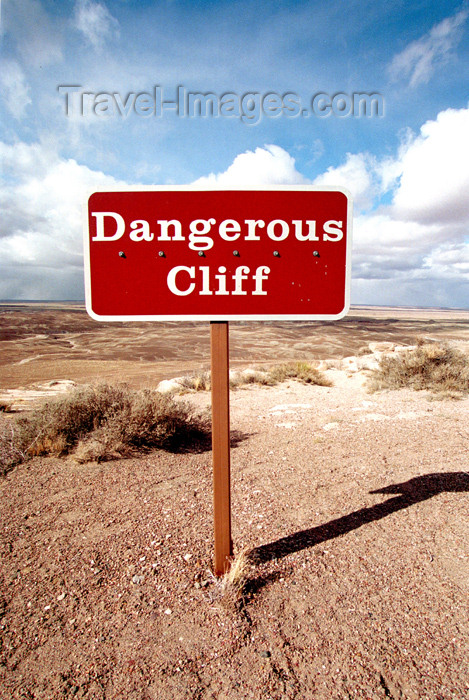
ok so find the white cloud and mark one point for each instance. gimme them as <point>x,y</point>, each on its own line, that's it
<point>15,89</point>
<point>21,160</point>
<point>416,248</point>
<point>449,260</point>
<point>357,175</point>
<point>418,61</point>
<point>42,221</point>
<point>95,22</point>
<point>410,251</point>
<point>270,165</point>
<point>434,183</point>
<point>385,247</point>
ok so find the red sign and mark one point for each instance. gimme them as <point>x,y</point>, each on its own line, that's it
<point>192,254</point>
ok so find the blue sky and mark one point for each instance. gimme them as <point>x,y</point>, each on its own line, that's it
<point>408,169</point>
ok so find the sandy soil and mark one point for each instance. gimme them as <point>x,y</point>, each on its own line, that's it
<point>353,507</point>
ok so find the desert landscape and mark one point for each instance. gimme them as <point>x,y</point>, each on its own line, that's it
<point>58,341</point>
<point>349,517</point>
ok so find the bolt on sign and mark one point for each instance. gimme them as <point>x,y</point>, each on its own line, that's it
<point>179,253</point>
<point>172,253</point>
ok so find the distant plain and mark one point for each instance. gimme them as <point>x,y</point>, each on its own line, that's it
<point>46,341</point>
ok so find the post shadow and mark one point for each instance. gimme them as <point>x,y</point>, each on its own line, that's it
<point>416,490</point>
<point>198,439</point>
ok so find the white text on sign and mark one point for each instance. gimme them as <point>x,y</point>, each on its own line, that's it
<point>182,284</point>
<point>198,236</point>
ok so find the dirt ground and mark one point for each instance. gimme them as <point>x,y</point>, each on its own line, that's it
<point>353,508</point>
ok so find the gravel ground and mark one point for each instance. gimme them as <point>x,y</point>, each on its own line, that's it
<point>353,508</point>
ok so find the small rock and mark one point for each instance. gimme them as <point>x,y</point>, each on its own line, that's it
<point>265,654</point>
<point>137,579</point>
<point>61,596</point>
<point>168,611</point>
<point>168,386</point>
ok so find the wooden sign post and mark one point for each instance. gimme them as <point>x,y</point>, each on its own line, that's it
<point>278,253</point>
<point>219,347</point>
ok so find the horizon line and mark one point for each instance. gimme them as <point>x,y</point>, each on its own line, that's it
<point>352,306</point>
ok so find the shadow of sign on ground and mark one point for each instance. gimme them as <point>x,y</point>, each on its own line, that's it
<point>416,490</point>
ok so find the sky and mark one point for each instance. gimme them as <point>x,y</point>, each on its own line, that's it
<point>85,87</point>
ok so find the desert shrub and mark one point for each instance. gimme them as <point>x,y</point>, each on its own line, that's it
<point>302,371</point>
<point>12,447</point>
<point>56,427</point>
<point>153,420</point>
<point>231,587</point>
<point>102,422</point>
<point>97,448</point>
<point>198,381</point>
<point>431,366</point>
<point>236,577</point>
<point>255,376</point>
<point>201,381</point>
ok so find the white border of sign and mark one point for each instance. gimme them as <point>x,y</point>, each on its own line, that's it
<point>218,317</point>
